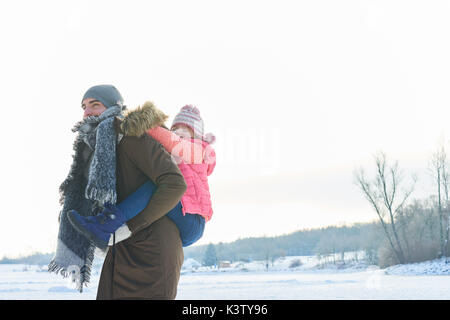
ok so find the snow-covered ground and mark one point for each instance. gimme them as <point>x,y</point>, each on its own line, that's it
<point>285,279</point>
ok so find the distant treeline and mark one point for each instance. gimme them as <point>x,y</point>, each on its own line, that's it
<point>323,241</point>
<point>35,258</point>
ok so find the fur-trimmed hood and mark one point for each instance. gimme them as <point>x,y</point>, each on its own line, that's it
<point>138,121</point>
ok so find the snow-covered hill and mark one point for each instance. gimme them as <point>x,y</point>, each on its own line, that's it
<point>313,264</point>
<point>433,267</point>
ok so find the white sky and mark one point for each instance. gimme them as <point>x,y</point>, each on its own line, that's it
<point>298,93</point>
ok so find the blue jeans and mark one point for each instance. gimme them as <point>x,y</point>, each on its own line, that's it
<point>191,226</point>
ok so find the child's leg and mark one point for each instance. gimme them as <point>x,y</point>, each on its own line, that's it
<point>191,226</point>
<point>99,228</point>
<point>137,201</point>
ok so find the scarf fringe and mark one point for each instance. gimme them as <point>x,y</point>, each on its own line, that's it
<point>84,276</point>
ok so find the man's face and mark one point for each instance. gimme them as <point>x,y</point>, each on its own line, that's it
<point>92,107</point>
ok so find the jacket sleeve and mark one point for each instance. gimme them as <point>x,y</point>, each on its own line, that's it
<point>190,152</point>
<point>151,158</point>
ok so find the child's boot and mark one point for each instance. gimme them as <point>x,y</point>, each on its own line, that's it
<point>99,228</point>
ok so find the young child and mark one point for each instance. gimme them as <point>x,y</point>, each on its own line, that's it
<point>196,160</point>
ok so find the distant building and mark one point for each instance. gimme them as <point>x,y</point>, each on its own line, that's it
<point>191,264</point>
<point>224,264</point>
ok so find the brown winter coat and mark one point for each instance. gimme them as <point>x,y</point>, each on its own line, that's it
<point>147,265</point>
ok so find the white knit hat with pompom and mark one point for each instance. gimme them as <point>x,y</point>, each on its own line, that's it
<point>190,116</point>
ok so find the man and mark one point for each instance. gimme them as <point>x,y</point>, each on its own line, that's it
<point>147,263</point>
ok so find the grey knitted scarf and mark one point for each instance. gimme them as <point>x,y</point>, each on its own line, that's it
<point>90,184</point>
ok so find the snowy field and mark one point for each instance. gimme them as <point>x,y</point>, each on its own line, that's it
<point>423,281</point>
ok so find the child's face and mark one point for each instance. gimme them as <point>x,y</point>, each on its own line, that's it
<point>183,131</point>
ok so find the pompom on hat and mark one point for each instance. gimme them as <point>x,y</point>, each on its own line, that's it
<point>189,116</point>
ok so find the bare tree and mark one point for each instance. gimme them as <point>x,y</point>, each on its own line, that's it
<point>383,194</point>
<point>446,184</point>
<point>439,169</point>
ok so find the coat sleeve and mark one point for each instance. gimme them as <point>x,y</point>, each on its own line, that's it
<point>189,151</point>
<point>151,158</point>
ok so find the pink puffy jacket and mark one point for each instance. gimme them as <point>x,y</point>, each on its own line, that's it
<point>196,160</point>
